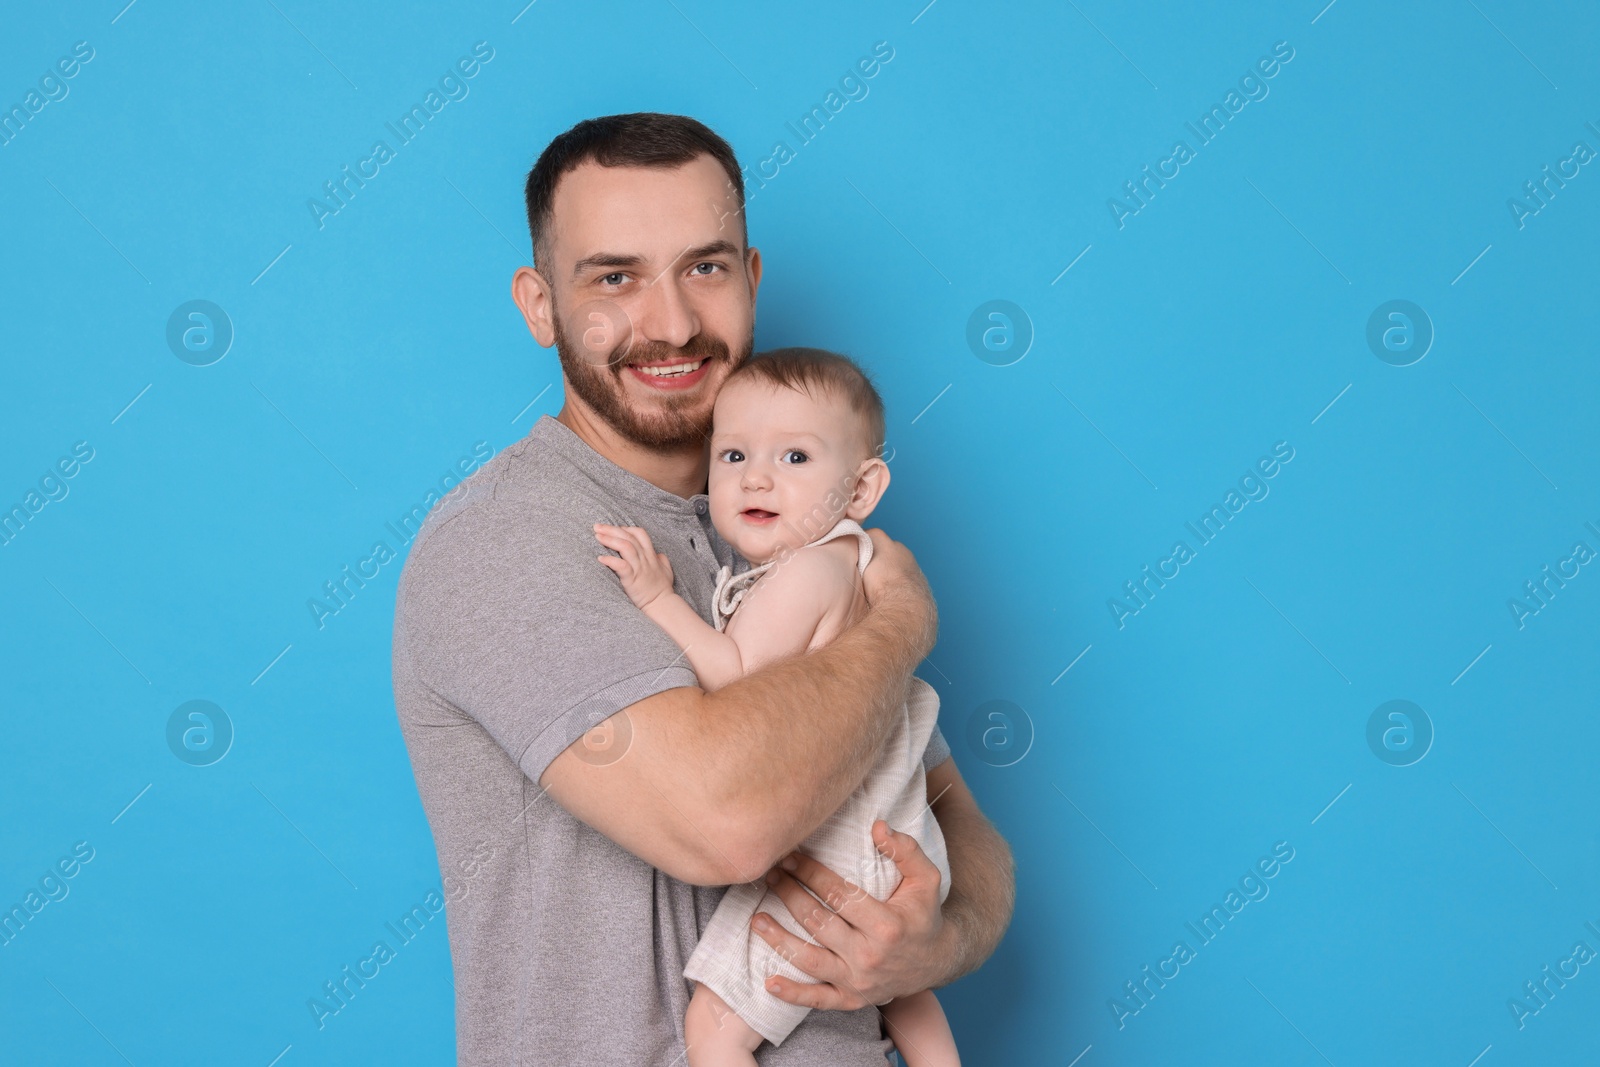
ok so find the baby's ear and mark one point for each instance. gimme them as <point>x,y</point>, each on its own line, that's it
<point>872,480</point>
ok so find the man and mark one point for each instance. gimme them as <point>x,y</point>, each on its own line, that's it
<point>587,798</point>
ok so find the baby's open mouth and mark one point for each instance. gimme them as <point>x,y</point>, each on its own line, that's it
<point>758,514</point>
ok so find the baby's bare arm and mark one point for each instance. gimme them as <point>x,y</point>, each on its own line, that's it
<point>779,615</point>
<point>714,655</point>
<point>777,618</point>
<point>761,763</point>
<point>646,577</point>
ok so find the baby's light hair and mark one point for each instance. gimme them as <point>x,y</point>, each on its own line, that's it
<point>812,370</point>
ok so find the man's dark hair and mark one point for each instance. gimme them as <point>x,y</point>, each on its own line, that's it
<point>641,139</point>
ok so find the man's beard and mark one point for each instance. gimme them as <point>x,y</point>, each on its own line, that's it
<point>676,420</point>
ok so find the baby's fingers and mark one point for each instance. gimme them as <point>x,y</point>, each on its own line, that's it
<point>611,536</point>
<point>615,538</point>
<point>642,537</point>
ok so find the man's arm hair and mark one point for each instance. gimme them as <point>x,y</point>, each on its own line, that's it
<point>713,788</point>
<point>983,881</point>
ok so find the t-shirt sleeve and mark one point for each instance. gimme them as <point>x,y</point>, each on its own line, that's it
<point>538,653</point>
<point>938,750</point>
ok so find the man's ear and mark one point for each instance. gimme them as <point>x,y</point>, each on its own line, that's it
<point>870,485</point>
<point>532,295</point>
<point>752,267</point>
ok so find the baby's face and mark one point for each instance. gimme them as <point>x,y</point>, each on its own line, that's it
<point>783,466</point>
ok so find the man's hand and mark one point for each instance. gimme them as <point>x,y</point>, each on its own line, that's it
<point>645,573</point>
<point>869,951</point>
<point>892,575</point>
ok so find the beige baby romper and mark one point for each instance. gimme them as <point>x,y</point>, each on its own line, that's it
<point>731,958</point>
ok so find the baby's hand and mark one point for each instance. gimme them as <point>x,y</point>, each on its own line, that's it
<point>646,574</point>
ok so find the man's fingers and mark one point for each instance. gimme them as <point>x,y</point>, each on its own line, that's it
<point>907,854</point>
<point>813,995</point>
<point>825,926</point>
<point>814,960</point>
<point>832,992</point>
<point>838,893</point>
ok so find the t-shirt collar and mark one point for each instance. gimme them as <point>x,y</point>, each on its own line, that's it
<point>555,434</point>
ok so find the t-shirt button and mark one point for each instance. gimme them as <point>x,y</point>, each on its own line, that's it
<point>700,507</point>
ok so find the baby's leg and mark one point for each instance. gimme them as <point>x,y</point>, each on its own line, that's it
<point>920,1031</point>
<point>715,1035</point>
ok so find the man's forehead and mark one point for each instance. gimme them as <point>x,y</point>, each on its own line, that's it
<point>654,212</point>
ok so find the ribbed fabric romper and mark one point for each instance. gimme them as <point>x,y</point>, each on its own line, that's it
<point>731,958</point>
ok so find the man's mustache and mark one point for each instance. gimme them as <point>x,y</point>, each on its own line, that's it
<point>700,346</point>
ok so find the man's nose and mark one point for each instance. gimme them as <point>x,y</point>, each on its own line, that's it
<point>663,313</point>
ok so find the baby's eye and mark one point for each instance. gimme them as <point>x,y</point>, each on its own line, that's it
<point>796,452</point>
<point>732,455</point>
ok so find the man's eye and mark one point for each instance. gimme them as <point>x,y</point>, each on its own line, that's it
<point>796,452</point>
<point>713,266</point>
<point>613,279</point>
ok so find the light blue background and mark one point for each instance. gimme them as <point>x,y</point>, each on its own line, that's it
<point>1227,315</point>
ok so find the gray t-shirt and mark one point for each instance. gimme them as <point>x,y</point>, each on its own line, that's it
<point>511,641</point>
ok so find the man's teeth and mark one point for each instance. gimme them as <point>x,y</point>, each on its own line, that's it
<point>674,371</point>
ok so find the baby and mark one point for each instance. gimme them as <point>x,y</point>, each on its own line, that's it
<point>795,468</point>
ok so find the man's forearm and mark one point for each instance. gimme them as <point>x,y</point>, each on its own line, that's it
<point>982,888</point>
<point>790,741</point>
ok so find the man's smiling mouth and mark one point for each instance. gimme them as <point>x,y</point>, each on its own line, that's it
<point>669,370</point>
